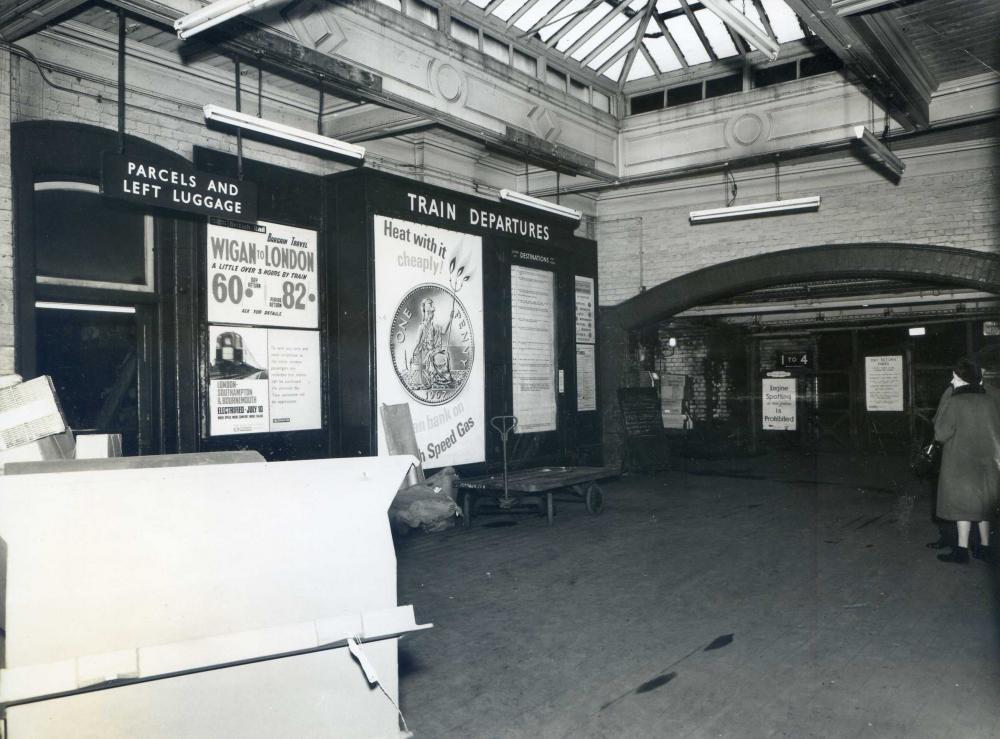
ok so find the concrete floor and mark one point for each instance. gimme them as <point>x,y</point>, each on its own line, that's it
<point>771,597</point>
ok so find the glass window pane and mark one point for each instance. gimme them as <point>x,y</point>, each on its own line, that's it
<point>620,42</point>
<point>565,16</point>
<point>615,70</point>
<point>465,33</point>
<point>715,31</point>
<point>645,103</point>
<point>640,68</point>
<point>555,78</point>
<point>592,18</point>
<point>396,5</point>
<point>535,14</point>
<point>784,22</point>
<point>496,48</point>
<point>683,32</point>
<point>662,54</point>
<point>422,12</point>
<point>579,90</point>
<point>665,6</point>
<point>601,101</point>
<point>525,63</point>
<point>507,8</point>
<point>480,3</point>
<point>600,37</point>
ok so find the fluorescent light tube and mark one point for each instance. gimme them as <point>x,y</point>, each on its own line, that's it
<point>849,7</point>
<point>743,26</point>
<point>876,147</point>
<point>918,331</point>
<point>212,15</point>
<point>281,131</point>
<point>776,207</point>
<point>558,210</point>
<point>85,307</point>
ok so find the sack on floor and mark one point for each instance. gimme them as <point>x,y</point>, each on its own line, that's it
<point>429,505</point>
<point>926,463</point>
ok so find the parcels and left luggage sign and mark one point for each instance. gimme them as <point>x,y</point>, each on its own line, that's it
<point>154,182</point>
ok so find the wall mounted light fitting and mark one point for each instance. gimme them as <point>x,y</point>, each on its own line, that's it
<point>742,25</point>
<point>755,210</point>
<point>512,196</point>
<point>871,142</point>
<point>212,15</point>
<point>281,131</point>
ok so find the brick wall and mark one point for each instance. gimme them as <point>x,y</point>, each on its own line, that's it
<point>946,197</point>
<point>6,224</point>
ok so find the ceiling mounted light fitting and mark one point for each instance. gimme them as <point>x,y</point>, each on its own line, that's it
<point>281,131</point>
<point>512,196</point>
<point>871,142</point>
<point>755,210</point>
<point>743,26</point>
<point>212,15</point>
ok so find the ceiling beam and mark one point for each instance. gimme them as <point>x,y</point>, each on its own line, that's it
<point>670,40</point>
<point>251,43</point>
<point>884,60</point>
<point>849,7</point>
<point>24,17</point>
<point>640,33</point>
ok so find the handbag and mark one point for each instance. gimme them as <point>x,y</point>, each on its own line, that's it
<point>926,463</point>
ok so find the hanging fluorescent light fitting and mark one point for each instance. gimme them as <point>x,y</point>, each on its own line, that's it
<point>850,7</point>
<point>743,26</point>
<point>513,196</point>
<point>871,142</point>
<point>754,210</point>
<point>281,131</point>
<point>212,15</point>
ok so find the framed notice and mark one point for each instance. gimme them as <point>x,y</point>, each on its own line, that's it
<point>533,348</point>
<point>884,383</point>
<point>585,310</point>
<point>429,337</point>
<point>263,380</point>
<point>778,395</point>
<point>586,378</point>
<point>261,274</point>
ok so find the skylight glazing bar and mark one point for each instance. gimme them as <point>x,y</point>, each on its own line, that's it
<point>670,40</point>
<point>698,30</point>
<point>649,59</point>
<point>548,18</point>
<point>609,42</point>
<point>491,6</point>
<point>762,14</point>
<point>601,24</point>
<point>581,16</point>
<point>640,32</point>
<point>615,58</point>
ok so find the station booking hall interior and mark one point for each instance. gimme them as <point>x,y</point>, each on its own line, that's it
<point>499,368</point>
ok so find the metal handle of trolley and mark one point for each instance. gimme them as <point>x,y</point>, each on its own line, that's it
<point>505,426</point>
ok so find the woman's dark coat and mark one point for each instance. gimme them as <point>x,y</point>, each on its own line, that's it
<point>969,427</point>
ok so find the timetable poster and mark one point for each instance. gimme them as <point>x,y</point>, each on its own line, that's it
<point>429,337</point>
<point>533,348</point>
<point>585,310</point>
<point>884,383</point>
<point>263,380</point>
<point>586,378</point>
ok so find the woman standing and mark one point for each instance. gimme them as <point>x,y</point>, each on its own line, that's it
<point>969,486</point>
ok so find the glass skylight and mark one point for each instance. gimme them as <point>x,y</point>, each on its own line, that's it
<point>598,33</point>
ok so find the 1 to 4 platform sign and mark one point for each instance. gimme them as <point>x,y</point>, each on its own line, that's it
<point>262,274</point>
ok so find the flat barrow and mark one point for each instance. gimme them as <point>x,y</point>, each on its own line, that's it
<point>535,488</point>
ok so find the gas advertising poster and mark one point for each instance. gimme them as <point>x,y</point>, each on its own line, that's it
<point>429,337</point>
<point>263,380</point>
<point>262,274</point>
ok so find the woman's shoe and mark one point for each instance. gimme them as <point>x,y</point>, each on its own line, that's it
<point>958,555</point>
<point>981,552</point>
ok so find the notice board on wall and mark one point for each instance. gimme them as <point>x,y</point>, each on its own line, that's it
<point>884,383</point>
<point>779,399</point>
<point>429,337</point>
<point>533,349</point>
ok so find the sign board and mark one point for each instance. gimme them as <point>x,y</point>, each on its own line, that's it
<point>533,348</point>
<point>159,184</point>
<point>640,407</point>
<point>262,274</point>
<point>991,328</point>
<point>263,380</point>
<point>585,333</point>
<point>429,337</point>
<point>884,383</point>
<point>586,378</point>
<point>778,395</point>
<point>801,359</point>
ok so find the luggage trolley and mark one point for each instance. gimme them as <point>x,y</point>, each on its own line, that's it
<point>535,486</point>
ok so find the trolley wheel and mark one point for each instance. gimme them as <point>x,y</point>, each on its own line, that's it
<point>595,499</point>
<point>467,508</point>
<point>550,508</point>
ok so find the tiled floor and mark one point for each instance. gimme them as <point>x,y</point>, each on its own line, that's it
<point>773,596</point>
